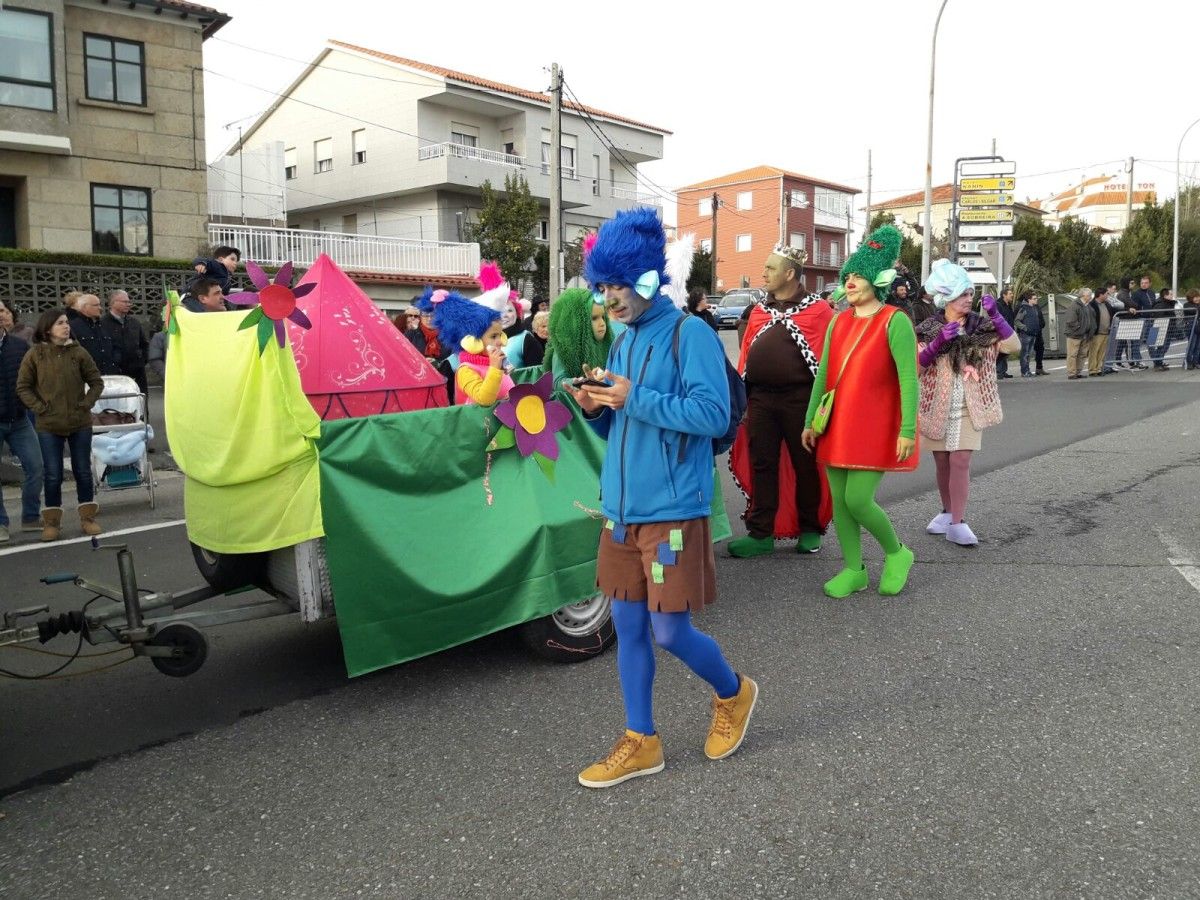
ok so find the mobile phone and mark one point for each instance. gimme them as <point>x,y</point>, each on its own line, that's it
<point>589,382</point>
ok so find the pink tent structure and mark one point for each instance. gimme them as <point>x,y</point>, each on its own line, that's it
<point>354,361</point>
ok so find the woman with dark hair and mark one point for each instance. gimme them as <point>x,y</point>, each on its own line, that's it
<point>59,381</point>
<point>697,304</point>
<point>409,323</point>
<point>11,323</point>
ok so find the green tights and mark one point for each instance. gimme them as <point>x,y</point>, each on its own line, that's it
<point>854,508</point>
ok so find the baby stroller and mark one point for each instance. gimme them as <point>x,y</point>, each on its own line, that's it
<point>121,436</point>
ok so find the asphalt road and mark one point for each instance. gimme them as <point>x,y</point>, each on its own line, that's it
<point>1021,723</point>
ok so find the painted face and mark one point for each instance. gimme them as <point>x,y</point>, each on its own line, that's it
<point>859,290</point>
<point>775,273</point>
<point>508,318</point>
<point>599,326</point>
<point>60,331</point>
<point>624,303</point>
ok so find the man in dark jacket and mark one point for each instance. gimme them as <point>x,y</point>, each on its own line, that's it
<point>1005,306</point>
<point>129,337</point>
<point>84,318</point>
<point>16,431</point>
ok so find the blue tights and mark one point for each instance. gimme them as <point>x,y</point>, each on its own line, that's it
<point>675,634</point>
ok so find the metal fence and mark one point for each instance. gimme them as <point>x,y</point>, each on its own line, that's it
<point>1152,338</point>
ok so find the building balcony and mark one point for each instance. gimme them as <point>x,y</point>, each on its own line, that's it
<point>620,192</point>
<point>452,150</point>
<point>355,252</point>
<point>830,260</point>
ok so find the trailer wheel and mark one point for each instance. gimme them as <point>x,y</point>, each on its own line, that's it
<point>226,571</point>
<point>573,633</point>
<point>188,640</point>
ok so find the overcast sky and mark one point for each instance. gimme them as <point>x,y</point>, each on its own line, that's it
<point>1065,87</point>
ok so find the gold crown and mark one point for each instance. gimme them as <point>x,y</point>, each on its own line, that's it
<point>794,255</point>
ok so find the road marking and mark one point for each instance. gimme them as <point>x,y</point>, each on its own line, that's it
<point>53,545</point>
<point>1180,559</point>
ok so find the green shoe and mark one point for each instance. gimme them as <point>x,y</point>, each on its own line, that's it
<point>896,567</point>
<point>748,547</point>
<point>810,542</point>
<point>847,582</point>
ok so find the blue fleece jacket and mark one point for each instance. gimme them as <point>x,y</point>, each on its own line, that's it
<point>659,464</point>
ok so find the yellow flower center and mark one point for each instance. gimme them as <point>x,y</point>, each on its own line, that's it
<point>531,413</point>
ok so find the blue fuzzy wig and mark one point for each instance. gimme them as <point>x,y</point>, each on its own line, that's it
<point>455,317</point>
<point>628,245</point>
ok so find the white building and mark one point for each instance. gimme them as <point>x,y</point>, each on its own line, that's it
<point>1101,202</point>
<point>376,144</point>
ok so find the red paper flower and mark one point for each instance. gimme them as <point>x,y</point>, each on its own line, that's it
<point>275,300</point>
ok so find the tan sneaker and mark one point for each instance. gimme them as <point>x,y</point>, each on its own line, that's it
<point>635,754</point>
<point>730,718</point>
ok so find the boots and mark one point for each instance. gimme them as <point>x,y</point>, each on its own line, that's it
<point>51,523</point>
<point>87,518</point>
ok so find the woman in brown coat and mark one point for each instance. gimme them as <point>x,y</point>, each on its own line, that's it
<point>59,381</point>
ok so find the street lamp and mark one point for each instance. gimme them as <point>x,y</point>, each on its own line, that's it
<point>1175,252</point>
<point>926,250</point>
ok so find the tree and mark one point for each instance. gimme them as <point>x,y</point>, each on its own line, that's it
<point>701,276</point>
<point>572,265</point>
<point>505,227</point>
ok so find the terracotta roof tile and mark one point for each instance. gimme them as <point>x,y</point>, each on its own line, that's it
<point>1118,198</point>
<point>476,80</point>
<point>446,281</point>
<point>943,193</point>
<point>757,173</point>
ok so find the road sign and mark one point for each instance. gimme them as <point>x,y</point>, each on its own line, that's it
<point>1001,256</point>
<point>972,262</point>
<point>985,231</point>
<point>985,200</point>
<point>987,184</point>
<point>985,215</point>
<point>991,167</point>
<point>981,276</point>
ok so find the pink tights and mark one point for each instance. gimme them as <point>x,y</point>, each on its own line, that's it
<point>954,481</point>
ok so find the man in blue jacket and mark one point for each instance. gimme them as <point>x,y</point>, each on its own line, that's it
<point>659,411</point>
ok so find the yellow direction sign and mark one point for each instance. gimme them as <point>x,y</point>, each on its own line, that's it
<point>985,200</point>
<point>985,215</point>
<point>987,184</point>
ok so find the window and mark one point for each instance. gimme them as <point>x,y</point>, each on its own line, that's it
<point>834,251</point>
<point>115,70</point>
<point>796,240</point>
<point>289,164</point>
<point>745,200</point>
<point>26,63</point>
<point>595,175</point>
<point>706,206</point>
<point>358,145</point>
<point>543,230</point>
<point>706,245</point>
<point>323,154</point>
<point>798,199</point>
<point>506,139</point>
<point>465,135</point>
<point>120,219</point>
<point>743,243</point>
<point>566,159</point>
<point>820,283</point>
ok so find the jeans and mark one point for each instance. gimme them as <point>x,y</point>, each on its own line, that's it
<point>80,443</point>
<point>21,437</point>
<point>1001,365</point>
<point>1028,341</point>
<point>1039,351</point>
<point>1193,348</point>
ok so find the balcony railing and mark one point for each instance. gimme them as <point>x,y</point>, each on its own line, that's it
<point>632,193</point>
<point>462,151</point>
<point>356,252</point>
<point>833,260</point>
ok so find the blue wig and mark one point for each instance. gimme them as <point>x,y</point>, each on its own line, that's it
<point>455,317</point>
<point>628,245</point>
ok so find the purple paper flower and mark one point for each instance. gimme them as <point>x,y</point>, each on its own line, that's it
<point>534,417</point>
<point>276,301</point>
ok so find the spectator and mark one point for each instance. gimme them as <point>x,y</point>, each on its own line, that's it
<point>923,306</point>
<point>205,296</point>
<point>156,355</point>
<point>60,381</point>
<point>1192,360</point>
<point>905,289</point>
<point>1039,341</point>
<point>409,322</point>
<point>1103,309</point>
<point>1080,327</point>
<point>1026,323</point>
<point>87,331</point>
<point>826,295</point>
<point>1143,297</point>
<point>529,347</point>
<point>16,430</point>
<point>219,268</point>
<point>1162,328</point>
<point>129,338</point>
<point>434,351</point>
<point>697,304</point>
<point>538,305</point>
<point>1005,307</point>
<point>11,323</point>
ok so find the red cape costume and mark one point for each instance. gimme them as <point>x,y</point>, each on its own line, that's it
<point>813,322</point>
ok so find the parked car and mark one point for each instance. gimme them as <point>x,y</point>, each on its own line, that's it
<point>728,310</point>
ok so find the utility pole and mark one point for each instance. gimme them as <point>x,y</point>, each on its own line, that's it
<point>555,181</point>
<point>993,146</point>
<point>868,228</point>
<point>783,208</point>
<point>242,173</point>
<point>1129,197</point>
<point>712,287</point>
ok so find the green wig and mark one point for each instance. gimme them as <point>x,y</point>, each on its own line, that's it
<point>875,259</point>
<point>571,338</point>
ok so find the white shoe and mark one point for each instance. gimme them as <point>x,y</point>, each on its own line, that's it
<point>961,534</point>
<point>938,524</point>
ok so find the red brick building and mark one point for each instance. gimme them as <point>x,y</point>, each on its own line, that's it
<point>760,207</point>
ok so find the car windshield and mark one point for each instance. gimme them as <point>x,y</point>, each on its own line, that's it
<point>736,300</point>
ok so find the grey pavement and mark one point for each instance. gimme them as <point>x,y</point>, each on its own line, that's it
<point>1021,723</point>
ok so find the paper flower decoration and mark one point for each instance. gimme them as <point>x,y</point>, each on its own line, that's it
<point>275,301</point>
<point>531,420</point>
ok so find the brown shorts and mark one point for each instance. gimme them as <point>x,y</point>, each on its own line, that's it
<point>668,564</point>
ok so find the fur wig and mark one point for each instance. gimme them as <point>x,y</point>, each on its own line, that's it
<point>455,317</point>
<point>571,337</point>
<point>877,253</point>
<point>628,245</point>
<point>679,268</point>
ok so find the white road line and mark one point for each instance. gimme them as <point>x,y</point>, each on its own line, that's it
<point>53,545</point>
<point>1178,556</point>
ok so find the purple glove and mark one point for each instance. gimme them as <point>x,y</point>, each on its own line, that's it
<point>948,333</point>
<point>1002,327</point>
